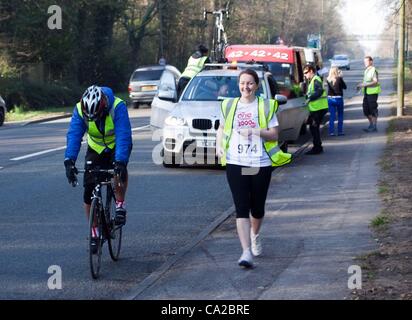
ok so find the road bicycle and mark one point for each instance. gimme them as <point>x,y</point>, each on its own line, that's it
<point>219,41</point>
<point>102,214</point>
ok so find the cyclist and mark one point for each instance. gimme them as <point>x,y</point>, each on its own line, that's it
<point>106,120</point>
<point>194,65</point>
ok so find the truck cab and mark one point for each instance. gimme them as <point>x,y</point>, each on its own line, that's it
<point>285,63</point>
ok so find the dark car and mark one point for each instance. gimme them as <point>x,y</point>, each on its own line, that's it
<point>144,83</point>
<point>3,111</point>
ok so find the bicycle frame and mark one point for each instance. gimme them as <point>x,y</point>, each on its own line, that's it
<point>219,34</point>
<point>97,194</point>
<point>102,218</point>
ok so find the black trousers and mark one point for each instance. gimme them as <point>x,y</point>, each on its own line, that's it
<point>370,105</point>
<point>314,121</point>
<point>249,191</point>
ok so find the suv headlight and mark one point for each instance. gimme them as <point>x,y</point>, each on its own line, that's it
<point>175,121</point>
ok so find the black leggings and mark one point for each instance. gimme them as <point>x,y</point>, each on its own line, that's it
<point>249,191</point>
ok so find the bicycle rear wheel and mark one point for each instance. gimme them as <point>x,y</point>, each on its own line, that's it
<point>95,254</point>
<point>115,236</point>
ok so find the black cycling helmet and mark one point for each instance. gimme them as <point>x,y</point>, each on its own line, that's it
<point>93,103</point>
<point>202,49</point>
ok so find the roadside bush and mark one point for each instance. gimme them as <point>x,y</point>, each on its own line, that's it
<point>117,76</point>
<point>32,96</point>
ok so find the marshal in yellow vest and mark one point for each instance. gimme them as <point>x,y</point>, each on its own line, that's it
<point>266,108</point>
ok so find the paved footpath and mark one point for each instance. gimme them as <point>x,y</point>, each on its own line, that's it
<point>317,221</point>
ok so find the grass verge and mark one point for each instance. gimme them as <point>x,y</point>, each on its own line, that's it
<point>19,114</point>
<point>380,221</point>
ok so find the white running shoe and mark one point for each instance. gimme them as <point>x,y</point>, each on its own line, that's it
<point>246,260</point>
<point>256,244</point>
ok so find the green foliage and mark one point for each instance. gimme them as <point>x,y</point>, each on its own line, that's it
<point>7,69</point>
<point>380,221</point>
<point>31,96</point>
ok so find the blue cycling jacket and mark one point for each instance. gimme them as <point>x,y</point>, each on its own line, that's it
<point>122,129</point>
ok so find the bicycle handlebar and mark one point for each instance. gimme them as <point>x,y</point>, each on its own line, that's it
<point>110,171</point>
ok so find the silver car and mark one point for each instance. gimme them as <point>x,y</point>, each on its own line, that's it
<point>189,126</point>
<point>3,111</point>
<point>341,61</point>
<point>144,83</point>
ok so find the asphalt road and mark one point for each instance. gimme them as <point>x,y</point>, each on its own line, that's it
<point>42,222</point>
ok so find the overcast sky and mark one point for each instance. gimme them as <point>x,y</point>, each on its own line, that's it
<point>366,17</point>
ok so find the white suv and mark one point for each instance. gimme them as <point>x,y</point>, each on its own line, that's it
<point>190,125</point>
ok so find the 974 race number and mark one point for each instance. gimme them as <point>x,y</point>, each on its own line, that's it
<point>249,149</point>
<point>246,148</point>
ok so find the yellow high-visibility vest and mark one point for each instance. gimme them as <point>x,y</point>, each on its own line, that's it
<point>266,110</point>
<point>95,139</point>
<point>320,103</point>
<point>194,66</point>
<point>367,78</point>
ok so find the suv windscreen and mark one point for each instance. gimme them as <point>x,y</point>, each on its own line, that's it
<point>280,71</point>
<point>147,75</point>
<point>213,88</point>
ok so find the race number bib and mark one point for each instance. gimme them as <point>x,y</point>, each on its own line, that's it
<point>246,147</point>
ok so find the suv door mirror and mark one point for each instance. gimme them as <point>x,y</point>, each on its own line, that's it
<point>281,99</point>
<point>167,87</point>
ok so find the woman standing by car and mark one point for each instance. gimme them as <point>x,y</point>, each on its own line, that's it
<point>336,85</point>
<point>246,143</point>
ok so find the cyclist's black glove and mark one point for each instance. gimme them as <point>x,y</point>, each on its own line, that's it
<point>120,169</point>
<point>71,171</point>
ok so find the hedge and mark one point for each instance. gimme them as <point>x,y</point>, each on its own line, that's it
<point>32,96</point>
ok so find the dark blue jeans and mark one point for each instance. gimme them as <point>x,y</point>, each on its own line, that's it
<point>335,105</point>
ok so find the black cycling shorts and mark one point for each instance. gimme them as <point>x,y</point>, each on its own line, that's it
<point>93,160</point>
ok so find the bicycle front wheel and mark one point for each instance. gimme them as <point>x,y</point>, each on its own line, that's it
<point>115,236</point>
<point>95,240</point>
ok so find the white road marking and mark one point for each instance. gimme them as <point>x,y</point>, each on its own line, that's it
<point>141,128</point>
<point>37,154</point>
<point>60,148</point>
